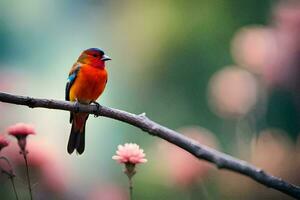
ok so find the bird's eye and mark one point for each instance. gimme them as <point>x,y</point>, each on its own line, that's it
<point>95,55</point>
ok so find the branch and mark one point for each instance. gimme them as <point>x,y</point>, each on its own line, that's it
<point>221,160</point>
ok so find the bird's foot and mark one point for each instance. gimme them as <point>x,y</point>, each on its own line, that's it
<point>98,106</point>
<point>77,106</point>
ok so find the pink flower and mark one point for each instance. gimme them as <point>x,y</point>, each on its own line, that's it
<point>21,131</point>
<point>130,153</point>
<point>3,142</point>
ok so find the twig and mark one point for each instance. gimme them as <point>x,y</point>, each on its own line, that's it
<point>221,160</point>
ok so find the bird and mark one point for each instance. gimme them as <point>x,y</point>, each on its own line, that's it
<point>86,82</point>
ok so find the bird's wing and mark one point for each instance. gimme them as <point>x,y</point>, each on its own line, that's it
<point>72,77</point>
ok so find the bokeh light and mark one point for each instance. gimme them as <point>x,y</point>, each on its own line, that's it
<point>232,92</point>
<point>254,48</point>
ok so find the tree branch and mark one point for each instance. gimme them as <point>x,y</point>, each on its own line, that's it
<point>221,160</point>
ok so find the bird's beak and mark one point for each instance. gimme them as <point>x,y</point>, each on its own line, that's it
<point>105,58</point>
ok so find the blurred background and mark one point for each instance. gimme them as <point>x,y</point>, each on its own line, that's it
<point>223,72</point>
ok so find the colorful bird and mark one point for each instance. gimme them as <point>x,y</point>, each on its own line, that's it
<point>86,82</point>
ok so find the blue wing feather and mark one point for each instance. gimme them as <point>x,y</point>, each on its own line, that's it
<point>70,82</point>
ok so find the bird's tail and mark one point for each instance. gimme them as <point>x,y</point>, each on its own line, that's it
<point>77,135</point>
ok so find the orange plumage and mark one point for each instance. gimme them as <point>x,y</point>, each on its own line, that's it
<point>89,84</point>
<point>86,82</point>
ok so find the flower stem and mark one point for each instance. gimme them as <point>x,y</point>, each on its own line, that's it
<point>27,172</point>
<point>14,187</point>
<point>10,175</point>
<point>130,189</point>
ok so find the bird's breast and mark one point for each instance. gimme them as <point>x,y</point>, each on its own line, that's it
<point>89,84</point>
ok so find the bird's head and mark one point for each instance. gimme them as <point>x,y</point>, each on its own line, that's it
<point>94,57</point>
